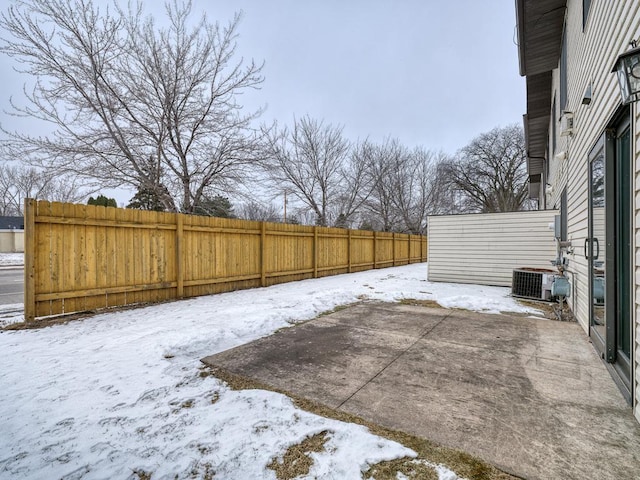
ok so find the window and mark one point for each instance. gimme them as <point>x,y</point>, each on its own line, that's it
<point>586,4</point>
<point>563,72</point>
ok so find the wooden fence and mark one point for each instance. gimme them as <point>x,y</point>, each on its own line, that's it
<point>83,257</point>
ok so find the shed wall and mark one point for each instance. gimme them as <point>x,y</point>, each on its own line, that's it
<point>11,241</point>
<point>485,248</point>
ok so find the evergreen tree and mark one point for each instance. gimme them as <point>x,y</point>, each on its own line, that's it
<point>217,206</point>
<point>146,199</point>
<point>102,201</point>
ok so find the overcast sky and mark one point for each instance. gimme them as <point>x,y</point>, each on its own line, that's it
<point>427,72</point>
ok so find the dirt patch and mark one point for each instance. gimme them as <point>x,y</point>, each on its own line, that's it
<point>428,452</point>
<point>420,303</point>
<point>77,316</point>
<point>550,310</point>
<point>338,308</point>
<point>296,460</point>
<point>408,467</point>
<point>142,475</point>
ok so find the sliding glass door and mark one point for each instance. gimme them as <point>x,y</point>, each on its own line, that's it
<point>609,249</point>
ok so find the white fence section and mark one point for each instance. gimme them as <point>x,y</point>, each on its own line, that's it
<point>11,241</point>
<point>485,248</point>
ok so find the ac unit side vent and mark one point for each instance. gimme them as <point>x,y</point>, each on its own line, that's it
<point>533,283</point>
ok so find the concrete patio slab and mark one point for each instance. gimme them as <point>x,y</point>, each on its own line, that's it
<point>529,395</point>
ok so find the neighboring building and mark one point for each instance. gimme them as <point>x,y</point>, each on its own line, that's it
<point>11,223</point>
<point>11,234</point>
<point>584,159</point>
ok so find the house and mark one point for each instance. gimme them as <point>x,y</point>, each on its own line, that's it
<point>11,223</point>
<point>583,152</point>
<point>11,234</point>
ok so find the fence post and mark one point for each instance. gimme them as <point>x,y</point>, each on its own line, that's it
<point>180,254</point>
<point>375,249</point>
<point>393,236</point>
<point>349,251</point>
<point>263,254</point>
<point>409,253</point>
<point>29,259</point>
<point>315,252</point>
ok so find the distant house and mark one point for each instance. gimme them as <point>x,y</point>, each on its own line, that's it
<point>584,159</point>
<point>11,223</point>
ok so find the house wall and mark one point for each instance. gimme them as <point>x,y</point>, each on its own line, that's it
<point>591,54</point>
<point>11,241</point>
<point>485,248</point>
<point>636,247</point>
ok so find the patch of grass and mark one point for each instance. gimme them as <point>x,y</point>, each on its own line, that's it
<point>337,308</point>
<point>463,464</point>
<point>420,303</point>
<point>409,467</point>
<point>296,460</point>
<point>550,310</point>
<point>142,475</point>
<point>208,473</point>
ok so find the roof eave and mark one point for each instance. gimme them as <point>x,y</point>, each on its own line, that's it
<point>539,25</point>
<point>520,30</point>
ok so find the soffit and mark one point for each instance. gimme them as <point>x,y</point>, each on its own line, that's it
<point>540,24</point>
<point>536,121</point>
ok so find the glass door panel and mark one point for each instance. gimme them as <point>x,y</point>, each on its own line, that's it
<point>624,258</point>
<point>596,244</point>
<point>609,252</point>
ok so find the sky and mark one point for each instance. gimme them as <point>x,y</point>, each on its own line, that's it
<point>429,73</point>
<point>122,391</point>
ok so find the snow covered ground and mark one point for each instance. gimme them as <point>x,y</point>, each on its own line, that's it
<point>121,393</point>
<point>11,259</point>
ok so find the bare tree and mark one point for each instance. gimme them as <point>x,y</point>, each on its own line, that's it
<point>490,173</point>
<point>356,186</point>
<point>415,189</point>
<point>406,187</point>
<point>20,182</point>
<point>379,209</point>
<point>131,103</point>
<point>258,211</point>
<point>312,161</point>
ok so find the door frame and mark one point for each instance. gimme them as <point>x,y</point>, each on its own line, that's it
<point>620,369</point>
<point>599,341</point>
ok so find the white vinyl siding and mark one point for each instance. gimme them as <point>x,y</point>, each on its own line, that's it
<point>636,245</point>
<point>591,54</point>
<point>635,114</point>
<point>485,248</point>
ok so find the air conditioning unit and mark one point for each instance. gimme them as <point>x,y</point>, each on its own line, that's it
<point>533,283</point>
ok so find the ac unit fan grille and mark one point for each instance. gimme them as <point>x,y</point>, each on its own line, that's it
<point>532,283</point>
<point>526,284</point>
